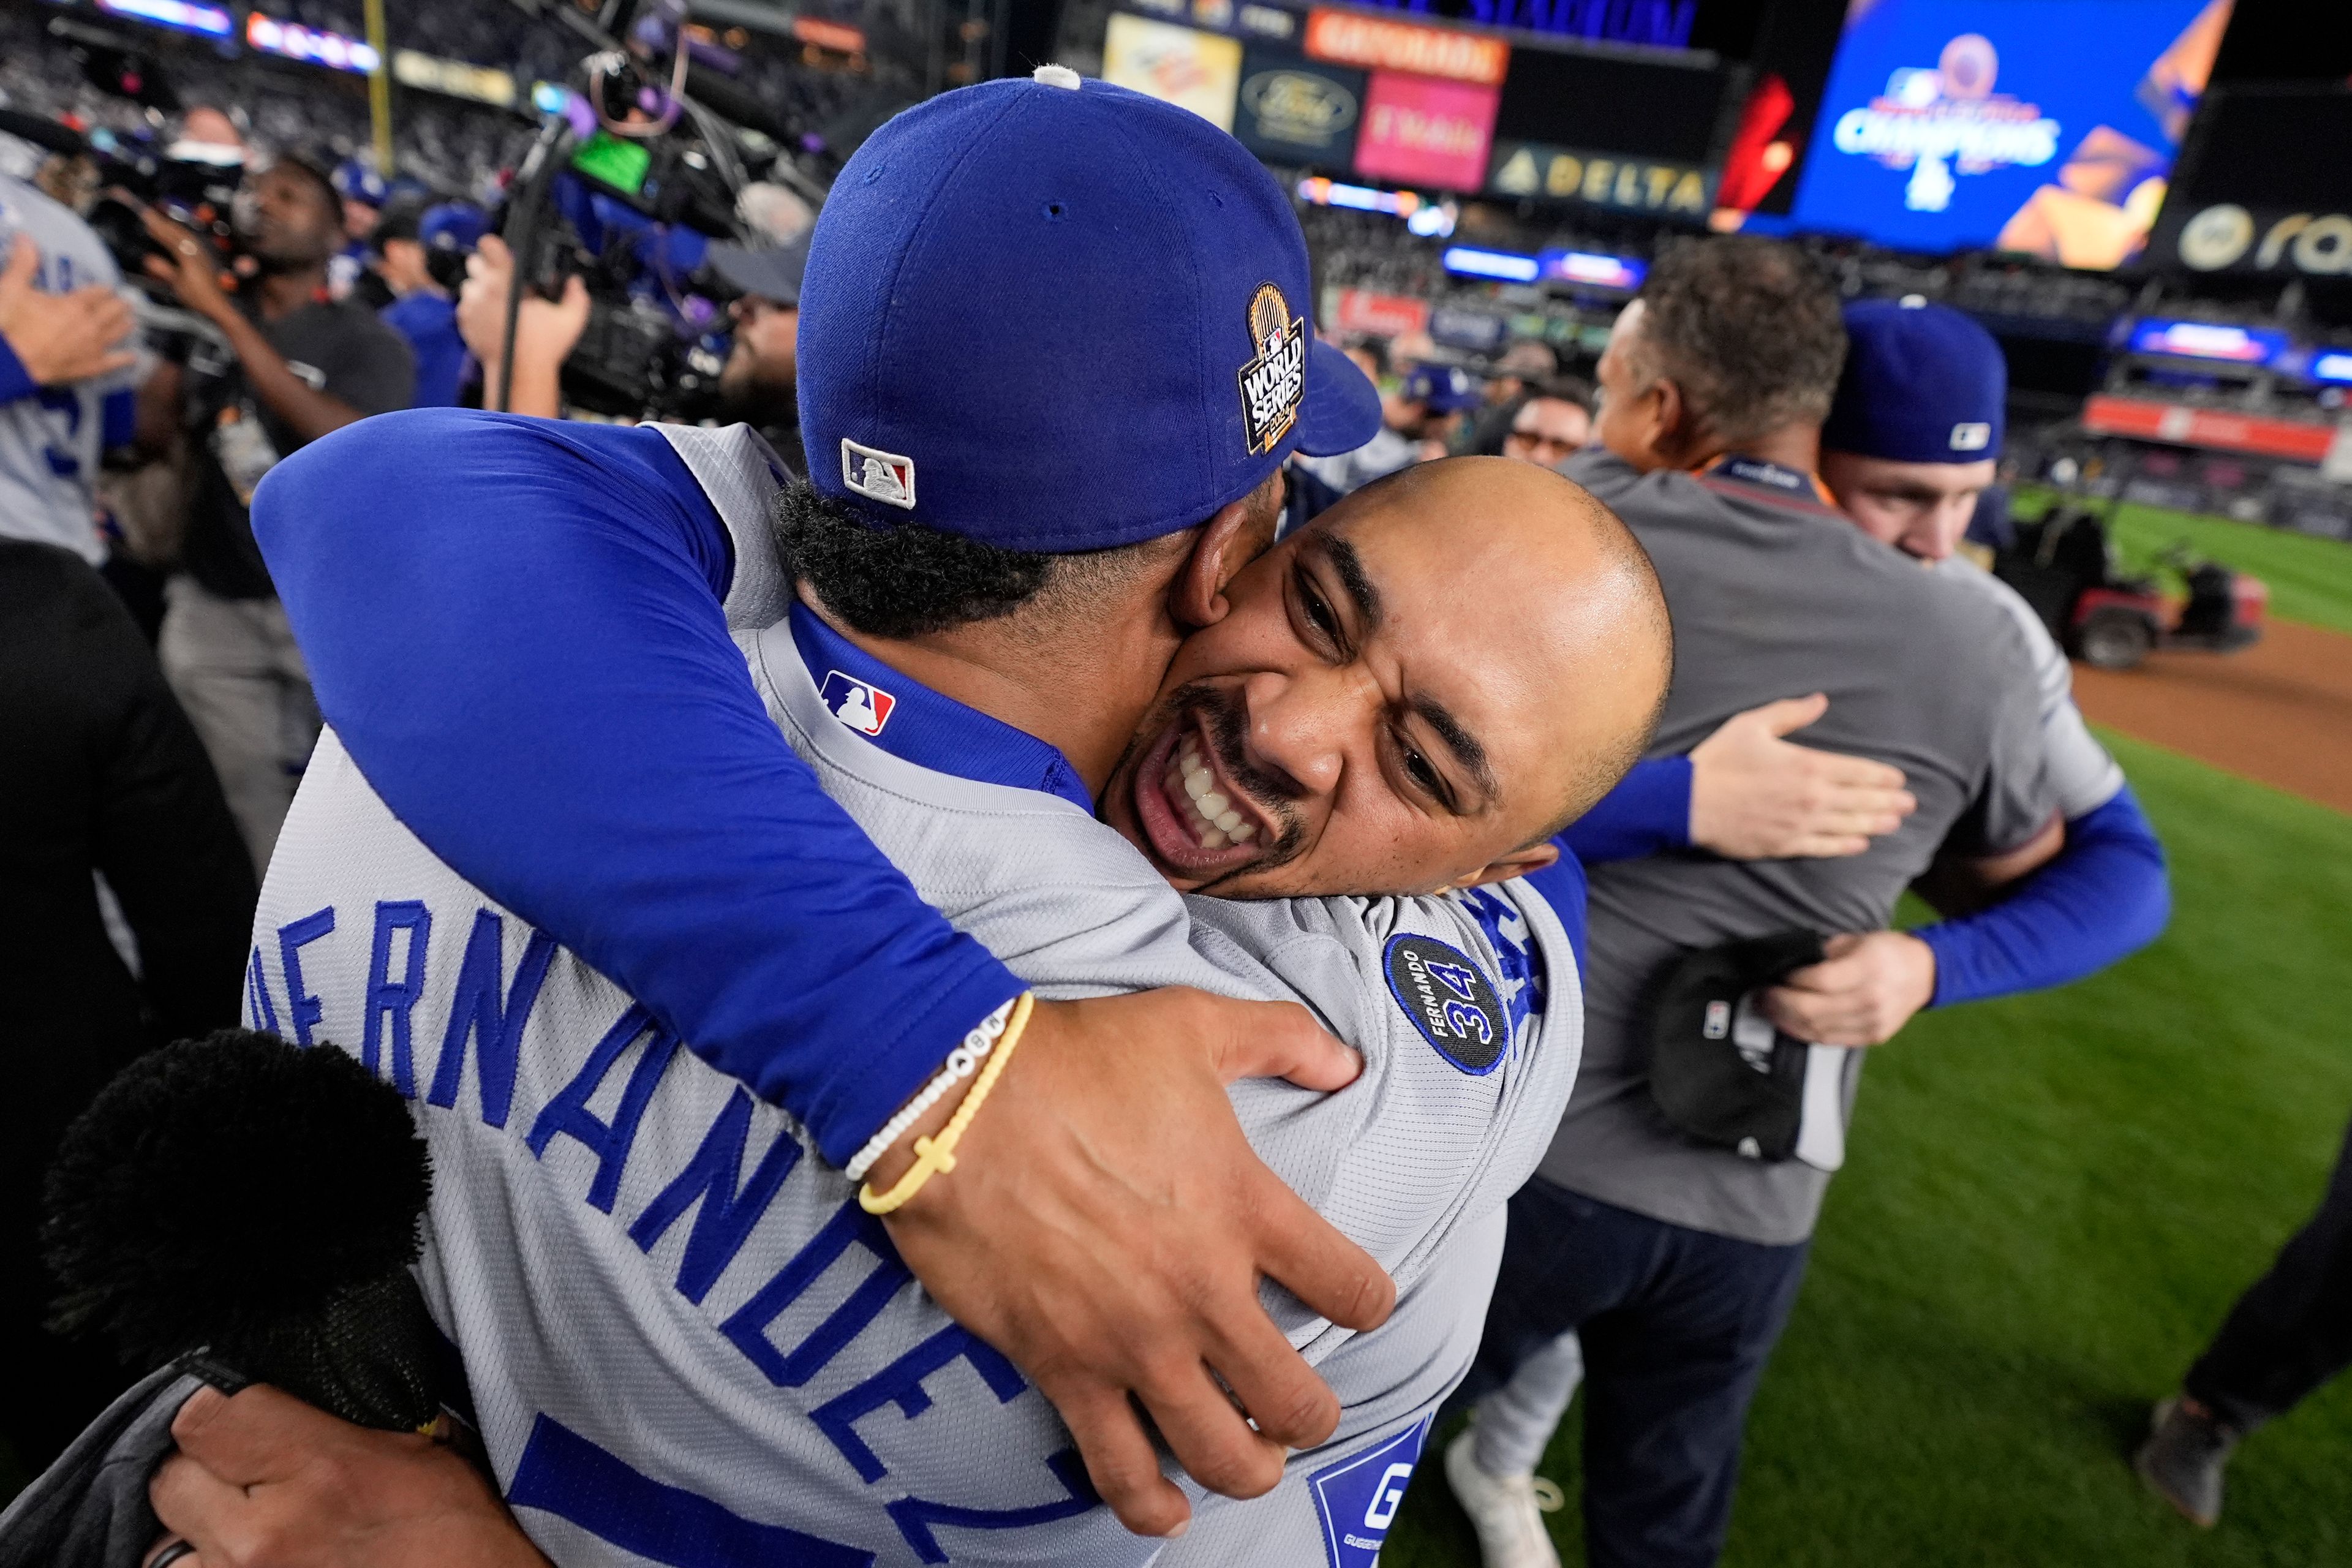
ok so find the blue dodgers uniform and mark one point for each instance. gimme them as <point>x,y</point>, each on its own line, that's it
<point>686,1343</point>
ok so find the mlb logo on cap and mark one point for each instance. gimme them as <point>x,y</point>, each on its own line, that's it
<point>884,476</point>
<point>1971,438</point>
<point>864,708</point>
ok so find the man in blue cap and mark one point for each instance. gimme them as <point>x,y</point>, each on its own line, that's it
<point>1911,442</point>
<point>362,192</point>
<point>1417,420</point>
<point>1912,436</point>
<point>1064,353</point>
<point>422,252</point>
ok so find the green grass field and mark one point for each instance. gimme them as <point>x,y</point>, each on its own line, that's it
<point>2310,579</point>
<point>2049,1203</point>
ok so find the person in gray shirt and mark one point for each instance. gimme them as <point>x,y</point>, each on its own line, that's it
<point>1678,1260</point>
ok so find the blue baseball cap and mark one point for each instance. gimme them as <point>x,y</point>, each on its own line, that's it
<point>1923,383</point>
<point>1055,315</point>
<point>452,226</point>
<point>355,179</point>
<point>1444,388</point>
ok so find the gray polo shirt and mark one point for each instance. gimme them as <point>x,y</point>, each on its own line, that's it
<point>1775,594</point>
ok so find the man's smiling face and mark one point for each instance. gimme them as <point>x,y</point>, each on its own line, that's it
<point>1403,696</point>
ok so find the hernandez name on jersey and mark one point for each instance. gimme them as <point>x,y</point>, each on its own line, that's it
<point>685,1342</point>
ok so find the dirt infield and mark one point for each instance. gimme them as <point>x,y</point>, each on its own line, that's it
<point>2279,712</point>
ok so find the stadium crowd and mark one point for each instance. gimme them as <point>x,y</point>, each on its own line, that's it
<point>1563,741</point>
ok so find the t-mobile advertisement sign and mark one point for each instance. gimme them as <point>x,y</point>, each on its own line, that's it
<point>1423,132</point>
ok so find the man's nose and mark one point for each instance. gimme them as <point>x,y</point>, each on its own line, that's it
<point>1301,721</point>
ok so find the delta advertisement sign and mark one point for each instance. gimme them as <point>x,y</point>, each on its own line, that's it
<point>2048,127</point>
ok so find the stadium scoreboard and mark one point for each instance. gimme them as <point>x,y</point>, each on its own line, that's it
<point>1414,98</point>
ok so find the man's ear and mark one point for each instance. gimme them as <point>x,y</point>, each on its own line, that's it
<point>1240,533</point>
<point>1517,863</point>
<point>1671,432</point>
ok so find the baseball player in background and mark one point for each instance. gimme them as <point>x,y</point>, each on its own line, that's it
<point>67,363</point>
<point>1912,437</point>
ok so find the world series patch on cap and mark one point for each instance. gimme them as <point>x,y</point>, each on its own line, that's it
<point>1055,315</point>
<point>1721,1073</point>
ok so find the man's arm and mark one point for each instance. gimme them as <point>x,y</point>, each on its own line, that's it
<point>1870,983</point>
<point>49,340</point>
<point>1746,793</point>
<point>515,627</point>
<point>545,331</point>
<point>164,835</point>
<point>2103,898</point>
<point>263,1480</point>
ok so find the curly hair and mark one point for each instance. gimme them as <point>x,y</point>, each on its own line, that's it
<point>1747,328</point>
<point>906,580</point>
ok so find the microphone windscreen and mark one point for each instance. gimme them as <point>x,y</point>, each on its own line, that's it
<point>260,1203</point>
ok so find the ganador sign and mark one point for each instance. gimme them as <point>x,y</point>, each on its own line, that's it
<point>2227,237</point>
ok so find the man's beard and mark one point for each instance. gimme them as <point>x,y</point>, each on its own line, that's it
<point>745,389</point>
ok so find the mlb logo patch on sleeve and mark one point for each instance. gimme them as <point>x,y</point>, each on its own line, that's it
<point>864,708</point>
<point>1357,1498</point>
<point>1449,999</point>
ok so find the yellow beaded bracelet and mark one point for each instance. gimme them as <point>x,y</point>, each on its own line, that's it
<point>933,1155</point>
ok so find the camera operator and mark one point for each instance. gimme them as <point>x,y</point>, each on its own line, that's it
<point>756,384</point>
<point>66,358</point>
<point>295,366</point>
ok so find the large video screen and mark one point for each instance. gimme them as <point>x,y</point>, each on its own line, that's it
<point>2042,126</point>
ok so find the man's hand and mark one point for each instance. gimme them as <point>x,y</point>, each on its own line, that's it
<point>1756,796</point>
<point>1106,1226</point>
<point>60,338</point>
<point>1863,990</point>
<point>189,266</point>
<point>263,1480</point>
<point>545,330</point>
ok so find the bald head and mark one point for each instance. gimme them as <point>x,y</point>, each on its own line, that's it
<point>1412,693</point>
<point>1556,574</point>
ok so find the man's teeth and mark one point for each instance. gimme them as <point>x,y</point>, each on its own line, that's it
<point>1213,817</point>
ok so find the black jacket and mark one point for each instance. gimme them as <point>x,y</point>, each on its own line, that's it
<point>100,772</point>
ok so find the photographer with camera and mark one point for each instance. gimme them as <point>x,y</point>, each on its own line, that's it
<point>291,365</point>
<point>756,384</point>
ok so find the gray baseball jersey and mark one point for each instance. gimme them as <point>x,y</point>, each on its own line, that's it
<point>51,442</point>
<point>1774,593</point>
<point>2083,776</point>
<point>686,1343</point>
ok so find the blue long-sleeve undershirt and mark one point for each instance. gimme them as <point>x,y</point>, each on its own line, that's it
<point>442,562</point>
<point>1647,814</point>
<point>15,381</point>
<point>2105,897</point>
